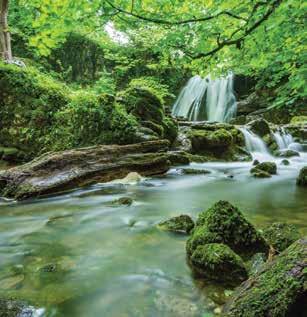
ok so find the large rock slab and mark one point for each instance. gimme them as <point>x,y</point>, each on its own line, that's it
<point>59,171</point>
<point>279,289</point>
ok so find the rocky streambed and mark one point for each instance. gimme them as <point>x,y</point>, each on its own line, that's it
<point>98,249</point>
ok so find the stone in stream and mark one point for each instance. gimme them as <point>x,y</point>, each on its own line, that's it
<point>60,171</point>
<point>286,153</point>
<point>123,201</point>
<point>194,171</point>
<point>14,308</point>
<point>279,289</point>
<point>280,235</point>
<point>179,224</point>
<point>264,169</point>
<point>285,162</point>
<point>302,177</point>
<point>217,262</point>
<point>224,223</point>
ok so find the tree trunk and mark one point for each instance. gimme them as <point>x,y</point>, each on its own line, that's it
<point>5,37</point>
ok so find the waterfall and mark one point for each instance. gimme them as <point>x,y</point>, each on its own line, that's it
<point>285,140</point>
<point>255,145</point>
<point>207,99</point>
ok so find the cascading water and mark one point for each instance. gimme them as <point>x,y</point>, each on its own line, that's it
<point>255,145</point>
<point>285,140</point>
<point>207,99</point>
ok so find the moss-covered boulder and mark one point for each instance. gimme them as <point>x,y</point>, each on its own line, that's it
<point>218,262</point>
<point>302,177</point>
<point>279,289</point>
<point>224,223</point>
<point>11,155</point>
<point>285,162</point>
<point>145,103</point>
<point>260,127</point>
<point>264,169</point>
<point>40,114</point>
<point>179,224</point>
<point>280,235</point>
<point>204,140</point>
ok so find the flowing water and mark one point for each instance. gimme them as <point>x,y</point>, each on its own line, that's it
<point>285,140</point>
<point>255,145</point>
<point>76,255</point>
<point>207,99</point>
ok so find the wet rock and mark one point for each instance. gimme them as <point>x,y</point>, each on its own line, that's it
<point>286,153</point>
<point>259,127</point>
<point>281,235</point>
<point>264,169</point>
<point>260,174</point>
<point>178,158</point>
<point>60,171</point>
<point>285,162</point>
<point>203,139</point>
<point>278,290</point>
<point>171,305</point>
<point>302,177</point>
<point>218,262</point>
<point>179,224</point>
<point>195,171</point>
<point>126,201</point>
<point>224,223</point>
<point>14,308</point>
<point>256,162</point>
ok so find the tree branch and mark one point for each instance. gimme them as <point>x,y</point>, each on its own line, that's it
<point>247,32</point>
<point>167,22</point>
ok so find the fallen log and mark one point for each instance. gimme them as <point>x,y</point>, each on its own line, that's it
<point>278,290</point>
<point>60,171</point>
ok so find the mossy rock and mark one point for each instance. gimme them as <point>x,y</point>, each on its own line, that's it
<point>281,235</point>
<point>143,103</point>
<point>224,223</point>
<point>264,169</point>
<point>179,224</point>
<point>203,140</point>
<point>302,177</point>
<point>260,127</point>
<point>279,289</point>
<point>218,262</point>
<point>123,201</point>
<point>287,153</point>
<point>170,128</point>
<point>285,162</point>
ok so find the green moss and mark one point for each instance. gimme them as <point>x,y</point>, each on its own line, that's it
<point>40,114</point>
<point>224,223</point>
<point>299,120</point>
<point>203,140</point>
<point>170,129</point>
<point>302,177</point>
<point>281,235</point>
<point>278,290</point>
<point>264,169</point>
<point>218,262</point>
<point>179,224</point>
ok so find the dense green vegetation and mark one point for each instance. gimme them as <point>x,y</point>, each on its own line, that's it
<point>89,61</point>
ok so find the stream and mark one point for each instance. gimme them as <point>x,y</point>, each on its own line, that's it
<point>76,255</point>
